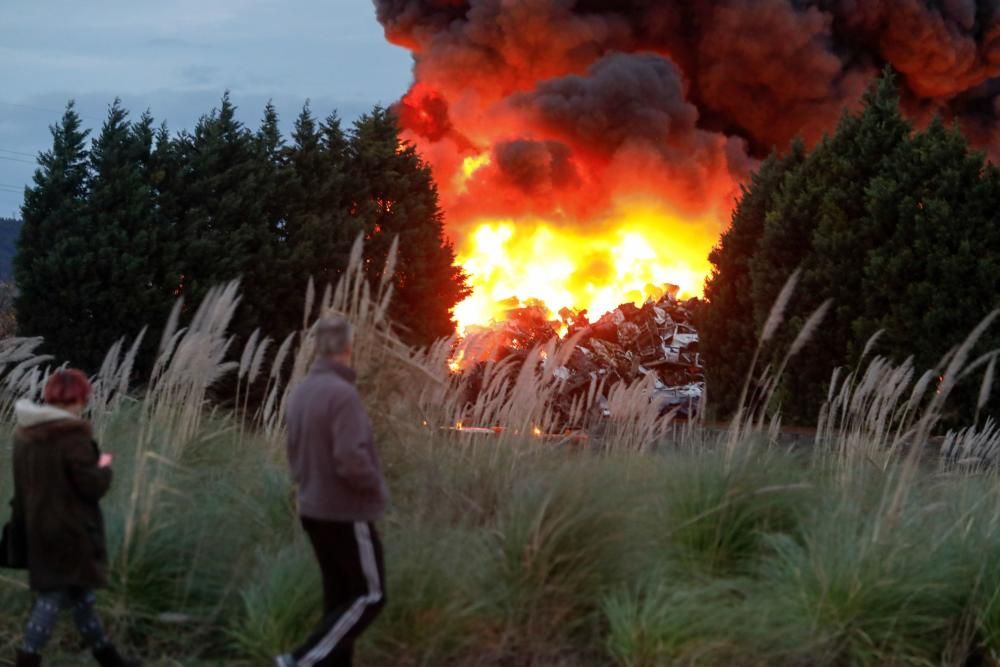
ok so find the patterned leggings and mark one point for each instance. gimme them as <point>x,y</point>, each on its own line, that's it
<point>45,613</point>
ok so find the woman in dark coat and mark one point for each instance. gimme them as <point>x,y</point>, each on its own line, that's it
<point>60,476</point>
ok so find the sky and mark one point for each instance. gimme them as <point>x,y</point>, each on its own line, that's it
<point>176,58</point>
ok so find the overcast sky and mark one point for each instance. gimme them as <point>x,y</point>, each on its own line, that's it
<point>176,57</point>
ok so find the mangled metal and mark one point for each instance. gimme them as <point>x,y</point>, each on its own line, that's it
<point>627,344</point>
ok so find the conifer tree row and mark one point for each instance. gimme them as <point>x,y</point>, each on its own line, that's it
<point>897,226</point>
<point>116,228</point>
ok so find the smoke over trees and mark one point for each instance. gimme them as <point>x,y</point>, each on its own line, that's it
<point>582,102</point>
<point>696,90</point>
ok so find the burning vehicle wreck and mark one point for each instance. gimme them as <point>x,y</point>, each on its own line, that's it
<point>656,342</point>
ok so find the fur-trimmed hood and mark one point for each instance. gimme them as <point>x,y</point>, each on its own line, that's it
<point>29,414</point>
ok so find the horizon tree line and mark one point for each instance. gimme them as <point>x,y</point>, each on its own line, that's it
<point>118,227</point>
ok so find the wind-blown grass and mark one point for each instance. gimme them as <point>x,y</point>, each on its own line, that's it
<point>651,543</point>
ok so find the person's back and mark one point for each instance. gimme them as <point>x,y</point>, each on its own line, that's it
<point>59,488</point>
<point>341,492</point>
<point>331,449</point>
<point>60,476</point>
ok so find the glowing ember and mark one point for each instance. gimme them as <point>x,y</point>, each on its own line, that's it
<point>579,268</point>
<point>456,363</point>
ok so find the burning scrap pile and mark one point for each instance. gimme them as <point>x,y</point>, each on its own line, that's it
<point>586,148</point>
<point>630,342</point>
<point>624,345</point>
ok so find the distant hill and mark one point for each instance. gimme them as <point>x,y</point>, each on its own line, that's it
<point>9,231</point>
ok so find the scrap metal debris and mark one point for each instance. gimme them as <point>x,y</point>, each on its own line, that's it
<point>658,339</point>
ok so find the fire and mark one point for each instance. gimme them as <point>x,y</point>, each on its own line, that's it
<point>474,163</point>
<point>457,363</point>
<point>629,258</point>
<point>574,185</point>
<point>470,166</point>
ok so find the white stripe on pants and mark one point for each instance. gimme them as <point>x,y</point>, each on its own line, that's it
<point>366,552</point>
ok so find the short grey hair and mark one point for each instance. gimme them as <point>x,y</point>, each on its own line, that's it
<point>334,336</point>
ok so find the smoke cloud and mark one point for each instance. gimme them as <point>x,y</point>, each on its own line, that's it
<point>570,106</point>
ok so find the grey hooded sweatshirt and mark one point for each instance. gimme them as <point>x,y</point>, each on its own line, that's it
<point>331,449</point>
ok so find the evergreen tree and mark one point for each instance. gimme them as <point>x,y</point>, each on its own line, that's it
<point>319,229</point>
<point>128,246</point>
<point>167,176</point>
<point>113,235</point>
<point>727,328</point>
<point>395,195</point>
<point>51,265</point>
<point>937,273</point>
<point>274,178</point>
<point>897,228</point>
<point>338,223</point>
<point>819,223</point>
<point>223,207</point>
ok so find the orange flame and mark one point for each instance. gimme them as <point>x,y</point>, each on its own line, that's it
<point>538,216</point>
<point>456,363</point>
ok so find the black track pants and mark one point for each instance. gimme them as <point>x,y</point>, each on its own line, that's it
<point>351,561</point>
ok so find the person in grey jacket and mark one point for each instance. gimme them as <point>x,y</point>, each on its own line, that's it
<point>341,493</point>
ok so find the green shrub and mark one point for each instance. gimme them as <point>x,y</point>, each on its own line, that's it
<point>557,550</point>
<point>666,619</point>
<point>857,591</point>
<point>715,514</point>
<point>435,594</point>
<point>281,602</point>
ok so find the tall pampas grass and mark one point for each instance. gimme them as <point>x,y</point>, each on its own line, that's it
<point>22,370</point>
<point>743,421</point>
<point>190,361</point>
<point>546,537</point>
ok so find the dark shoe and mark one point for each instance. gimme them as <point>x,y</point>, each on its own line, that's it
<point>109,657</point>
<point>28,659</point>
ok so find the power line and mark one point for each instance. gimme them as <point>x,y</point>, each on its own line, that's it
<point>7,150</point>
<point>17,159</point>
